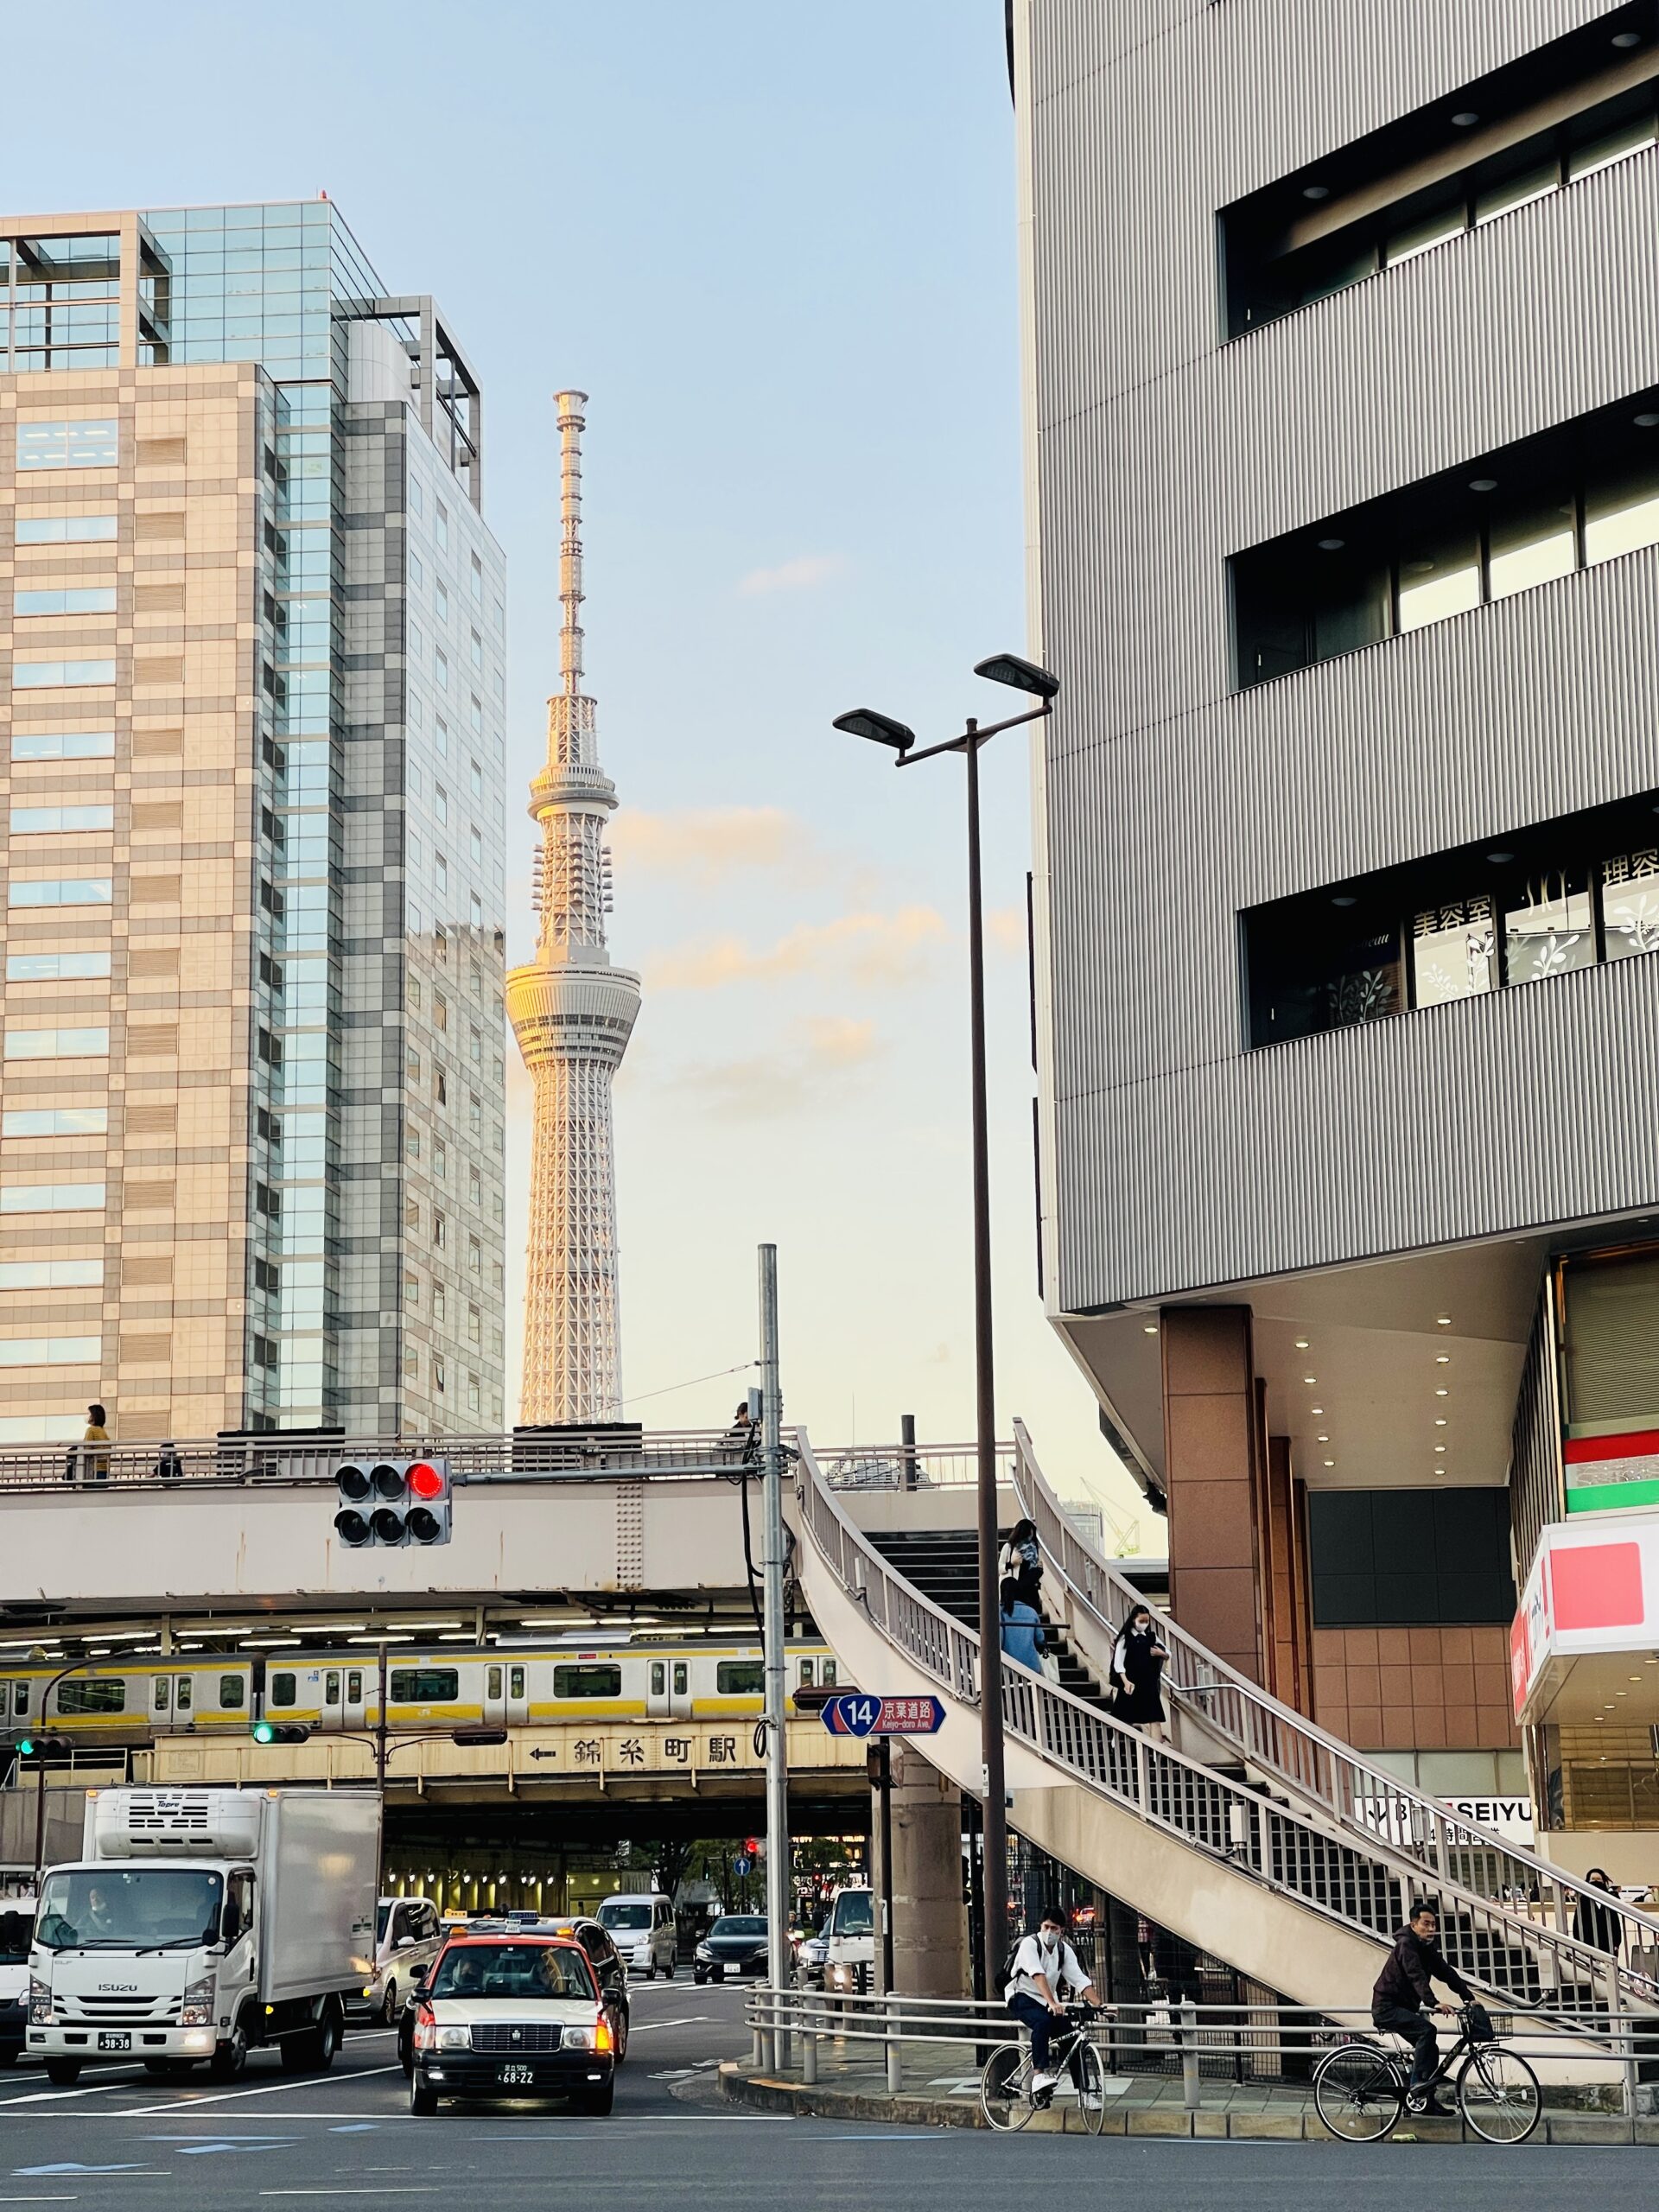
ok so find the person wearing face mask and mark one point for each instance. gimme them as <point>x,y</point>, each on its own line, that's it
<point>1042,1966</point>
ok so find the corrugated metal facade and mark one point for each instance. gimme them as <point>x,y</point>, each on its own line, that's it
<point>1168,804</point>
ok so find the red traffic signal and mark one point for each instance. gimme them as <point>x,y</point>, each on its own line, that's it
<point>392,1503</point>
<point>425,1481</point>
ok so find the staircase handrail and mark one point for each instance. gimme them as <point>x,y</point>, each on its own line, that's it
<point>1117,1761</point>
<point>1295,1750</point>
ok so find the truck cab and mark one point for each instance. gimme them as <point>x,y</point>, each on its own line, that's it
<point>849,1938</point>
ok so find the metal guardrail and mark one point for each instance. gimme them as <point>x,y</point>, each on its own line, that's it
<point>1333,1775</point>
<point>919,1466</point>
<point>689,1454</point>
<point>1355,1879</point>
<point>1129,2034</point>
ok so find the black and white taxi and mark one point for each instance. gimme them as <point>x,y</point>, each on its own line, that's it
<point>512,2016</point>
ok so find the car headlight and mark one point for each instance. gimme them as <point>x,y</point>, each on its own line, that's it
<point>40,2002</point>
<point>703,1951</point>
<point>454,2039</point>
<point>198,2009</point>
<point>578,2039</point>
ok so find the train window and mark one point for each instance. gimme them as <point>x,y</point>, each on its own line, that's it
<point>740,1678</point>
<point>682,1678</point>
<point>184,1694</point>
<point>284,1689</point>
<point>5,1691</point>
<point>233,1691</point>
<point>331,1687</point>
<point>826,1672</point>
<point>162,1688</point>
<point>20,1699</point>
<point>106,1693</point>
<point>658,1677</point>
<point>354,1686</point>
<point>425,1684</point>
<point>806,1673</point>
<point>492,1687</point>
<point>601,1681</point>
<point>515,1681</point>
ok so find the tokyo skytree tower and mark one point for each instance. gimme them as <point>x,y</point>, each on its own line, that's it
<point>572,1014</point>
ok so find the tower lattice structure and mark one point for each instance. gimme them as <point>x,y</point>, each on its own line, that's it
<point>573,1014</point>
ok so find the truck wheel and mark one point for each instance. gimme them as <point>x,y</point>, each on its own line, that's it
<point>231,2058</point>
<point>63,2073</point>
<point>312,2051</point>
<point>423,2101</point>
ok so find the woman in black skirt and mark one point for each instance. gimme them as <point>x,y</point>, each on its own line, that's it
<point>1138,1662</point>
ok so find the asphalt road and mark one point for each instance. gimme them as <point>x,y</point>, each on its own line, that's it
<point>123,2142</point>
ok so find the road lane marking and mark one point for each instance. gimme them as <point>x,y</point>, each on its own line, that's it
<point>420,2188</point>
<point>268,2089</point>
<point>120,2081</point>
<point>647,2027</point>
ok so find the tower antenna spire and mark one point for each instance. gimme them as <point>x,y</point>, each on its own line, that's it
<point>573,1014</point>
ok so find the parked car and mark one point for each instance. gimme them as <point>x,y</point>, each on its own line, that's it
<point>641,1925</point>
<point>511,2016</point>
<point>736,1944</point>
<point>407,1939</point>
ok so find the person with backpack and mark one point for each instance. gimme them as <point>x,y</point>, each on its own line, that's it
<point>1038,1970</point>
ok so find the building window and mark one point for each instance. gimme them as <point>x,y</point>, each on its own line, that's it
<point>65,530</point>
<point>440,664</point>
<point>1396,1558</point>
<point>439,802</point>
<point>1545,122</point>
<point>1522,908</point>
<point>69,445</point>
<point>439,1384</point>
<point>63,744</point>
<point>91,599</point>
<point>472,1393</point>
<point>60,675</point>
<point>59,891</point>
<point>88,1043</point>
<point>1569,498</point>
<point>440,1231</point>
<point>440,524</point>
<point>59,821</point>
<point>411,1290</point>
<point>477,578</point>
<point>52,1198</point>
<point>56,967</point>
<point>50,1351</point>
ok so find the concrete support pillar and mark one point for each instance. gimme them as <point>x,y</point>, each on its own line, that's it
<point>930,1924</point>
<point>1214,1480</point>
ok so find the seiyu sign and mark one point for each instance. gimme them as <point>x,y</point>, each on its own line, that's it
<point>1508,1818</point>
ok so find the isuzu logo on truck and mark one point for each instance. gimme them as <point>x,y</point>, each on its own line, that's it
<point>126,1988</point>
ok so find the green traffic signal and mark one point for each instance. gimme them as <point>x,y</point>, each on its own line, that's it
<point>26,1747</point>
<point>263,1732</point>
<point>276,1732</point>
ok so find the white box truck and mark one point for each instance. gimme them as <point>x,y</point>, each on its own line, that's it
<point>200,1923</point>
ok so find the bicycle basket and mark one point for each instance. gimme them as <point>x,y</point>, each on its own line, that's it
<point>1479,2023</point>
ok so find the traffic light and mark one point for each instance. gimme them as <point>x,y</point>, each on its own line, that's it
<point>43,1748</point>
<point>273,1731</point>
<point>393,1502</point>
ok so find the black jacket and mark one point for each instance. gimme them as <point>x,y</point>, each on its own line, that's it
<point>1405,1979</point>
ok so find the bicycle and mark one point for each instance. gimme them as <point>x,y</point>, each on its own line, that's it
<point>1359,2088</point>
<point>1005,2092</point>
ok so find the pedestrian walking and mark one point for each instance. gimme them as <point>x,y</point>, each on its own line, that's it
<point>1593,1923</point>
<point>1022,1562</point>
<point>1138,1662</point>
<point>94,1464</point>
<point>1023,1637</point>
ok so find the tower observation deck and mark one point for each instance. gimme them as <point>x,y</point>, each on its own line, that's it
<point>573,1014</point>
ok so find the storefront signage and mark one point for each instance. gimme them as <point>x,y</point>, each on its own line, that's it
<point>1605,1472</point>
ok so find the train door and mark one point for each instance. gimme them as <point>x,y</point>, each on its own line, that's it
<point>506,1701</point>
<point>668,1689</point>
<point>356,1683</point>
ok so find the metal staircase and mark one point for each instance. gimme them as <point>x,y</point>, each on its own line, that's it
<point>1223,1714</point>
<point>1280,1886</point>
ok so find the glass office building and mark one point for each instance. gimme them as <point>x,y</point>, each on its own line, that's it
<point>255,697</point>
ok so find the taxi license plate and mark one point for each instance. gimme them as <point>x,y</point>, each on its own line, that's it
<point>515,2076</point>
<point>109,2040</point>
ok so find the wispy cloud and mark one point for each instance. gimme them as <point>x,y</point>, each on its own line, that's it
<point>1005,926</point>
<point>705,845</point>
<point>885,951</point>
<point>804,573</point>
<point>814,1068</point>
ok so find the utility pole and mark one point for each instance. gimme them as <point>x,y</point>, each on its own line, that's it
<point>771,1459</point>
<point>380,1745</point>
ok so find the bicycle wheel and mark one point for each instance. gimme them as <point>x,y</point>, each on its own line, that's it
<point>1356,2092</point>
<point>1499,2094</point>
<point>1086,2079</point>
<point>1005,2088</point>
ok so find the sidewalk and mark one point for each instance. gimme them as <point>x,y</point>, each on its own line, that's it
<point>939,2087</point>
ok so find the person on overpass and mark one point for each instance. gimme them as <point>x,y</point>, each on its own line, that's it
<point>1404,1999</point>
<point>1022,1637</point>
<point>1042,1967</point>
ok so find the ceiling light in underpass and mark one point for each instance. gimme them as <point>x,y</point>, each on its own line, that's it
<point>1331,544</point>
<point>1330,1463</point>
<point>1301,1344</point>
<point>1343,899</point>
<point>1310,1378</point>
<point>1627,39</point>
<point>1439,1420</point>
<point>1150,1330</point>
<point>1316,192</point>
<point>1443,1320</point>
<point>1321,1440</point>
<point>1645,422</point>
<point>1442,1394</point>
<point>1483,483</point>
<point>1465,118</point>
<point>1316,1409</point>
<point>1500,859</point>
<point>1442,1359</point>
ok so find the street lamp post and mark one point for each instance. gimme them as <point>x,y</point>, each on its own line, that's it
<point>864,722</point>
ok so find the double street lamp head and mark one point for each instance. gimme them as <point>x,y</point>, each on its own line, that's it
<point>1018,675</point>
<point>881,729</point>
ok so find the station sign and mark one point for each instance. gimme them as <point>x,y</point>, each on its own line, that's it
<point>858,1713</point>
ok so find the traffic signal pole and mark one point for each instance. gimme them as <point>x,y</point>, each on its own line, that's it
<point>771,1455</point>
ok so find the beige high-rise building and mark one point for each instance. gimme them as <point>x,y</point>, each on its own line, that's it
<point>252,719</point>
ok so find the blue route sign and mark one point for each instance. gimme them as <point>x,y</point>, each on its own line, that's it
<point>860,1714</point>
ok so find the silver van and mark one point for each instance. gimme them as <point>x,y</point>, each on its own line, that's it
<point>641,1925</point>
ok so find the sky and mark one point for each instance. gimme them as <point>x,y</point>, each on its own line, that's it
<point>774,241</point>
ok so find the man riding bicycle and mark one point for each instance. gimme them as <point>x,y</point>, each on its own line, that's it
<point>1404,1997</point>
<point>1042,1966</point>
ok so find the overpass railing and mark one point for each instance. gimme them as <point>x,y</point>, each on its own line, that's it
<point>912,1466</point>
<point>1356,1879</point>
<point>688,1454</point>
<point>1365,1800</point>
